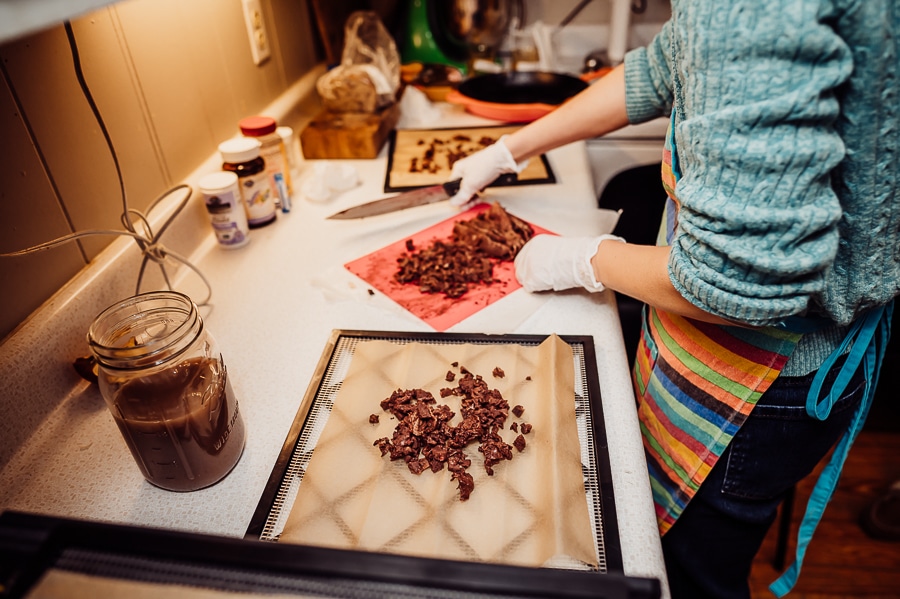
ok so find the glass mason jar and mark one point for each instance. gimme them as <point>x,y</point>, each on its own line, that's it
<point>166,384</point>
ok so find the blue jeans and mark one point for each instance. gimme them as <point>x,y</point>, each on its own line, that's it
<point>710,549</point>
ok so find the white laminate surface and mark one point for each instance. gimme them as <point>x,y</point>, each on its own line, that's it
<point>275,304</point>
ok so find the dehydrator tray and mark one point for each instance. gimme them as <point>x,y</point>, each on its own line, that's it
<point>44,556</point>
<point>277,499</point>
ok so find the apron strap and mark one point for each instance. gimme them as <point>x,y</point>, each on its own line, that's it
<point>868,351</point>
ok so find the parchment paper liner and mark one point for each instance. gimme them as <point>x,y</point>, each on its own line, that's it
<point>532,512</point>
<point>405,146</point>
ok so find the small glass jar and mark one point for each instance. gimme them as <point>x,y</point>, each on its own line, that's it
<point>166,385</point>
<point>241,157</point>
<point>274,152</point>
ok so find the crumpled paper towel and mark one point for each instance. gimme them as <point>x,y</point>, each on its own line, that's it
<point>417,110</point>
<point>327,179</point>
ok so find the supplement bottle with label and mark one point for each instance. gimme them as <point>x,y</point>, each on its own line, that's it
<point>241,156</point>
<point>222,198</point>
<point>273,151</point>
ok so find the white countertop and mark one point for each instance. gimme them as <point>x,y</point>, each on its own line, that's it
<point>275,304</point>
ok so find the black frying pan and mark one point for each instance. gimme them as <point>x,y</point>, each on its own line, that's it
<point>516,97</point>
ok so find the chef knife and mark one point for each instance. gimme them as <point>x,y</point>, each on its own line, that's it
<point>416,197</point>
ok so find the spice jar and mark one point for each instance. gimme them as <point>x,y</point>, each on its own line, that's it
<point>241,156</point>
<point>273,151</point>
<point>165,383</point>
<point>222,198</point>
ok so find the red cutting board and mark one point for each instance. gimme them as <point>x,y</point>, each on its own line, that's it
<point>437,310</point>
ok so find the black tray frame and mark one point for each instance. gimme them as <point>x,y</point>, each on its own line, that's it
<point>32,544</point>
<point>612,545</point>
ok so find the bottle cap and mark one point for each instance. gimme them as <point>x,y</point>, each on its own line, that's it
<point>257,126</point>
<point>239,149</point>
<point>217,182</point>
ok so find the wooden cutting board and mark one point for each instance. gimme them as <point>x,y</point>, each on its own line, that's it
<point>349,134</point>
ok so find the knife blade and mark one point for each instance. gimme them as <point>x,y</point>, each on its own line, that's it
<point>409,199</point>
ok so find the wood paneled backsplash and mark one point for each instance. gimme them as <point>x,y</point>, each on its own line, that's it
<point>171,78</point>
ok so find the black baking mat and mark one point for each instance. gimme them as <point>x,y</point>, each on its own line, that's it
<point>277,498</point>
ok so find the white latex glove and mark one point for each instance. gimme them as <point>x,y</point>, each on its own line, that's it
<point>551,262</point>
<point>482,168</point>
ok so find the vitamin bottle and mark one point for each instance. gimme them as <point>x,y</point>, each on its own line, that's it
<point>241,156</point>
<point>222,197</point>
<point>164,381</point>
<point>273,151</point>
<point>290,148</point>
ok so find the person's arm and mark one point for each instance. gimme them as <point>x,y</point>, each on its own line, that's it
<point>596,111</point>
<point>634,92</point>
<point>615,265</point>
<point>757,144</point>
<point>596,263</point>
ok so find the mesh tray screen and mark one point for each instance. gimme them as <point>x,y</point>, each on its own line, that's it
<point>330,385</point>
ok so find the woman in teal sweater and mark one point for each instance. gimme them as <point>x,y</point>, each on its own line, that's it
<point>770,292</point>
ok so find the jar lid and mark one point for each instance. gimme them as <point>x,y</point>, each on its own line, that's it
<point>239,149</point>
<point>257,126</point>
<point>285,132</point>
<point>216,182</point>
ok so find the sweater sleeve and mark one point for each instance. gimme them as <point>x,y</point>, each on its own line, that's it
<point>648,91</point>
<point>755,111</point>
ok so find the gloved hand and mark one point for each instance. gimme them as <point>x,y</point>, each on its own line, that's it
<point>551,262</point>
<point>480,169</point>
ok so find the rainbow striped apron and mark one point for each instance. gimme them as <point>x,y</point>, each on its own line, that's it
<point>696,384</point>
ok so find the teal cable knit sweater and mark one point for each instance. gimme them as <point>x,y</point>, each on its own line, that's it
<point>787,130</point>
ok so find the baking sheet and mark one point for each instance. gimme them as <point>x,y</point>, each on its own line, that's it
<point>406,145</point>
<point>277,501</point>
<point>437,310</point>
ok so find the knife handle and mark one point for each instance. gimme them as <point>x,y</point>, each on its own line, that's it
<point>452,187</point>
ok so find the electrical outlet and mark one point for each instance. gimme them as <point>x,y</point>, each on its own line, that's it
<point>256,30</point>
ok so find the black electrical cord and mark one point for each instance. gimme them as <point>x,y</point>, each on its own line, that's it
<point>146,240</point>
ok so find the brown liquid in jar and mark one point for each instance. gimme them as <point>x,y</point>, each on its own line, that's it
<point>182,425</point>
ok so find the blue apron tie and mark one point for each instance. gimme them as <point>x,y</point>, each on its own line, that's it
<point>868,350</point>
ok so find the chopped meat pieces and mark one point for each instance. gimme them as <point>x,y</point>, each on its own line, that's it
<point>424,438</point>
<point>525,428</point>
<point>466,484</point>
<point>518,411</point>
<point>373,418</point>
<point>451,266</point>
<point>514,427</point>
<point>519,443</point>
<point>441,153</point>
<point>450,376</point>
<point>418,466</point>
<point>495,450</point>
<point>498,372</point>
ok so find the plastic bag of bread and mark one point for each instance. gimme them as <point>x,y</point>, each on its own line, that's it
<point>369,74</point>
